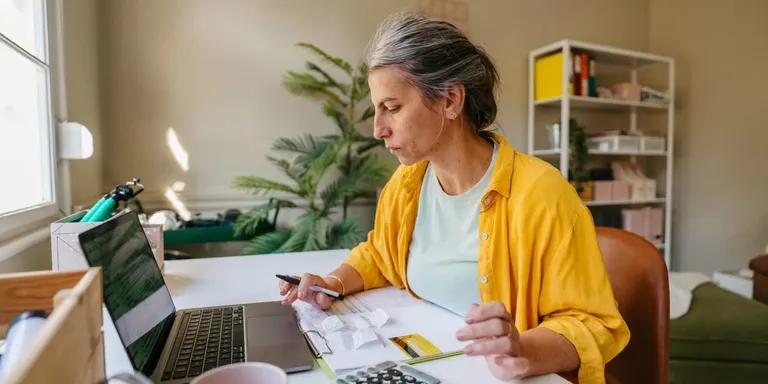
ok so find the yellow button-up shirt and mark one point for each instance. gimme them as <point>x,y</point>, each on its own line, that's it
<point>538,254</point>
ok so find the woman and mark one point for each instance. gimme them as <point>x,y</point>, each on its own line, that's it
<point>466,219</point>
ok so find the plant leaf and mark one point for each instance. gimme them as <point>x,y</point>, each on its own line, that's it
<point>339,117</point>
<point>367,114</point>
<point>368,143</point>
<point>344,89</point>
<point>306,84</point>
<point>309,234</point>
<point>320,165</point>
<point>259,185</point>
<point>289,169</point>
<point>247,224</point>
<point>270,242</point>
<point>344,234</point>
<point>338,62</point>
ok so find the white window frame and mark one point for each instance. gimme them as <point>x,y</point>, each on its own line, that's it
<point>30,220</point>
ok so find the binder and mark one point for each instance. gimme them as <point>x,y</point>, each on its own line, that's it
<point>317,343</point>
<point>408,315</point>
<point>548,77</point>
<point>584,76</point>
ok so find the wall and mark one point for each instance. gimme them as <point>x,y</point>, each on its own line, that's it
<point>81,44</point>
<point>212,70</point>
<point>721,144</point>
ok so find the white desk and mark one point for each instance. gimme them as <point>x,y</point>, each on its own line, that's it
<point>245,279</point>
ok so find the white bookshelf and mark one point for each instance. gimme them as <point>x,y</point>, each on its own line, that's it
<point>632,64</point>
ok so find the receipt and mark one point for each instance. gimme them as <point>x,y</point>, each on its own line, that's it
<point>377,318</point>
<point>363,337</point>
<point>332,324</point>
<point>359,322</point>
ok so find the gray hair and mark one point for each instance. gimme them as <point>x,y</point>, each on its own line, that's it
<point>436,55</point>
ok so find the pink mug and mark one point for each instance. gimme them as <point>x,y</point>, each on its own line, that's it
<point>242,373</point>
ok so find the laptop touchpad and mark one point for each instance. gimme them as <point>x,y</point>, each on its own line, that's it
<point>271,330</point>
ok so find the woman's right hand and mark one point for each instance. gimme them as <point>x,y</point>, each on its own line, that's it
<point>320,300</point>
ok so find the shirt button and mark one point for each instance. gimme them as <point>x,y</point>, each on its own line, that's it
<point>484,236</point>
<point>484,279</point>
<point>487,201</point>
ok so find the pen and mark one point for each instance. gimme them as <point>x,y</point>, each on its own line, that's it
<point>424,359</point>
<point>315,288</point>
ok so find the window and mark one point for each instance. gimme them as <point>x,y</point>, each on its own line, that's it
<point>27,164</point>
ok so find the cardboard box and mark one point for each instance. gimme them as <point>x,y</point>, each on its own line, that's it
<point>66,254</point>
<point>69,348</point>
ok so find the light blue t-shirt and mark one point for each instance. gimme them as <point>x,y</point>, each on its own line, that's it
<point>442,259</point>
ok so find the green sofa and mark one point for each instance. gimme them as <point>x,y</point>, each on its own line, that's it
<point>722,339</point>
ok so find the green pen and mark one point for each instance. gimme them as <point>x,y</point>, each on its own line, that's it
<point>437,356</point>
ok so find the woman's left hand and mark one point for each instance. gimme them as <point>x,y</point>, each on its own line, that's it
<point>493,334</point>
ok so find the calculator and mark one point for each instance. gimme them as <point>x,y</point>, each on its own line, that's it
<point>387,372</point>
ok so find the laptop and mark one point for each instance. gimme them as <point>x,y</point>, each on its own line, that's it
<point>171,346</point>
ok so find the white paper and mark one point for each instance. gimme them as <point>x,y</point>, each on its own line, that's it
<point>359,322</point>
<point>377,318</point>
<point>332,324</point>
<point>363,337</point>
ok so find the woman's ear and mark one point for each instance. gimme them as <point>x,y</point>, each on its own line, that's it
<point>454,101</point>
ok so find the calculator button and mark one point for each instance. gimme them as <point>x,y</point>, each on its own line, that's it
<point>395,373</point>
<point>374,380</point>
<point>409,379</point>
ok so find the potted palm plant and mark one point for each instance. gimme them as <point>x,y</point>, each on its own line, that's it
<point>326,172</point>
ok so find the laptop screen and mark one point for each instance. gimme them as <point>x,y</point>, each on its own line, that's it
<point>134,290</point>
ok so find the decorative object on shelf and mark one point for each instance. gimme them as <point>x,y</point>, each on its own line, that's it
<point>553,135</point>
<point>578,149</point>
<point>310,162</point>
<point>626,91</point>
<point>651,144</point>
<point>614,143</point>
<point>648,94</point>
<point>641,187</point>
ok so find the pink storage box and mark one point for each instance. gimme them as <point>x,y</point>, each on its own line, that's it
<point>646,222</point>
<point>602,190</point>
<point>626,91</point>
<point>621,190</point>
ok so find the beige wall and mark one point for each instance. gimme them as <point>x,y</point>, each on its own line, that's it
<point>212,71</point>
<point>81,37</point>
<point>721,143</point>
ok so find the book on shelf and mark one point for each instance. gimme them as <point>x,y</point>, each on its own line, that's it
<point>548,75</point>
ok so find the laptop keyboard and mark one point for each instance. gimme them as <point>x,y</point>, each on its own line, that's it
<point>207,338</point>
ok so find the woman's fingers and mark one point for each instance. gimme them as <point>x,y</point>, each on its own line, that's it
<point>495,327</point>
<point>487,311</point>
<point>290,296</point>
<point>308,280</point>
<point>284,287</point>
<point>498,345</point>
<point>292,292</point>
<point>323,301</point>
